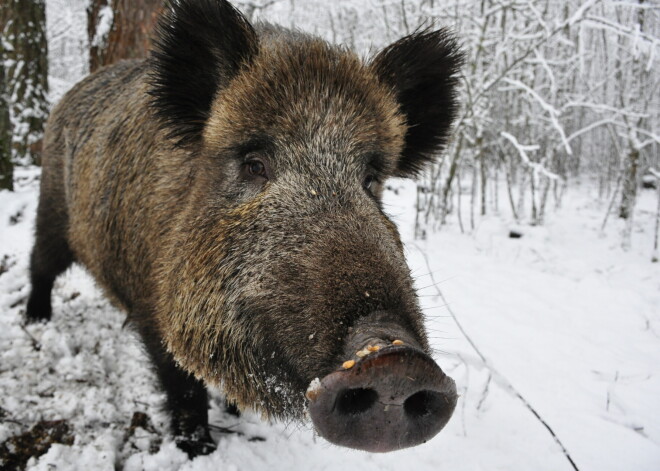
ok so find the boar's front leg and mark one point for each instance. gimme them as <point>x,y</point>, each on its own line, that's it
<point>187,398</point>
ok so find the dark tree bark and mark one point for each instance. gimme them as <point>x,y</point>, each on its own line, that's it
<point>6,166</point>
<point>121,30</point>
<point>26,75</point>
<point>629,190</point>
<point>632,162</point>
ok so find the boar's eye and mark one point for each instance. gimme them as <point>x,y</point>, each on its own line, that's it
<point>254,167</point>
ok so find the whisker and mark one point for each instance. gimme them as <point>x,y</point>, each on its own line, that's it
<point>436,307</point>
<point>428,273</point>
<point>432,285</point>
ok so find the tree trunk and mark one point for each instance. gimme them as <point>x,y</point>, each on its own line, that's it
<point>654,257</point>
<point>631,169</point>
<point>629,190</point>
<point>6,166</point>
<point>120,29</point>
<point>483,179</point>
<point>453,167</point>
<point>26,74</point>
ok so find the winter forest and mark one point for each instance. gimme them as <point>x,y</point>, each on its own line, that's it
<point>533,241</point>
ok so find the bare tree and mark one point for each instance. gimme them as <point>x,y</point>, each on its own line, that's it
<point>6,166</point>
<point>251,9</point>
<point>26,75</point>
<point>119,29</point>
<point>656,175</point>
<point>632,74</point>
<point>551,89</point>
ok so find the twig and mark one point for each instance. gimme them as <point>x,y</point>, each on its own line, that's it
<point>35,343</point>
<point>618,180</point>
<point>493,371</point>
<point>609,392</point>
<point>522,151</point>
<point>484,394</point>
<point>228,430</point>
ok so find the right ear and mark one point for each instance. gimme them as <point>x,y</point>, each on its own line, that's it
<point>422,70</point>
<point>199,46</point>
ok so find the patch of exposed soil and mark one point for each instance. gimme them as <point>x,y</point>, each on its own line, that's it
<point>16,451</point>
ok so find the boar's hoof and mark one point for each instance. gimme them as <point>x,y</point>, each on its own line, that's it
<point>197,444</point>
<point>391,399</point>
<point>38,308</point>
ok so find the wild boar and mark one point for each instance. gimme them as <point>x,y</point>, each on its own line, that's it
<point>226,193</point>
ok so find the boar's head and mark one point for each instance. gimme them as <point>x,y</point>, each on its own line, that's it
<point>282,263</point>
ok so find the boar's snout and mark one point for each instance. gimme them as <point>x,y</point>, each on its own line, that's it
<point>393,398</point>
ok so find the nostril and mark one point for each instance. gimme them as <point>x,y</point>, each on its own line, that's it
<point>421,403</point>
<point>355,401</point>
<point>393,399</point>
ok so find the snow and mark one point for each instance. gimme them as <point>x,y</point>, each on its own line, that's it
<point>563,317</point>
<point>68,48</point>
<point>314,388</point>
<point>104,26</point>
<point>562,320</point>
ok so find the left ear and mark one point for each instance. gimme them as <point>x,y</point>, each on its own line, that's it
<point>199,47</point>
<point>422,69</point>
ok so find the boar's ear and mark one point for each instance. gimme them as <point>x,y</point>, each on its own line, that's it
<point>199,46</point>
<point>422,69</point>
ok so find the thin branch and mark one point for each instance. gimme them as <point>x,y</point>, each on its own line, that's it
<point>522,151</point>
<point>495,373</point>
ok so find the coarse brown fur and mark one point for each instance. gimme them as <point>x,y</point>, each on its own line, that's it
<point>247,283</point>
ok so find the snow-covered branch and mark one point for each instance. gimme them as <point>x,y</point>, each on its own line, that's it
<point>522,152</point>
<point>551,110</point>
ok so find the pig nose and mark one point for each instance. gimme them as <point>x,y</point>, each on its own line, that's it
<point>394,398</point>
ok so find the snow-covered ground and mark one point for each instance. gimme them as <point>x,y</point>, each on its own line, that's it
<point>561,323</point>
<point>563,320</point>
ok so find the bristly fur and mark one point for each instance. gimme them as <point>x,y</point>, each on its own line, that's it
<point>423,69</point>
<point>199,46</point>
<point>233,280</point>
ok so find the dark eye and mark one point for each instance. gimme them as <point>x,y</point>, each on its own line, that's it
<point>368,181</point>
<point>256,168</point>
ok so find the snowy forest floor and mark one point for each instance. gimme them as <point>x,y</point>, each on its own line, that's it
<point>562,319</point>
